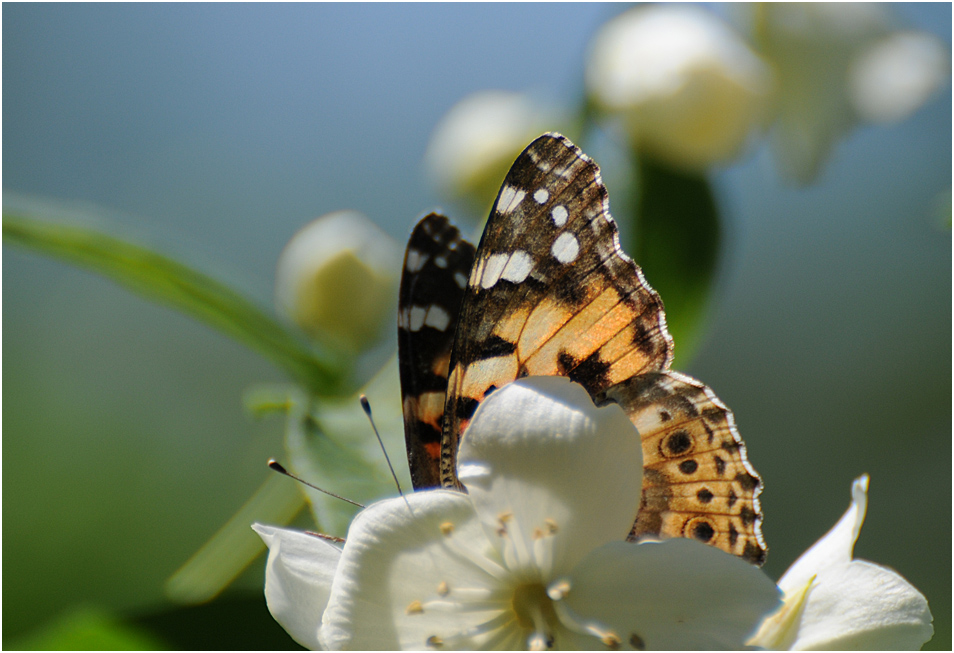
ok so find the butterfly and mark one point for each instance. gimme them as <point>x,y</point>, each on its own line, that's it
<point>549,291</point>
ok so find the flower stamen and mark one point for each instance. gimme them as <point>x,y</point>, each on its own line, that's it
<point>558,590</point>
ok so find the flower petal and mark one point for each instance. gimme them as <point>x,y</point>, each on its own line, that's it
<point>861,606</point>
<point>850,604</point>
<point>551,473</point>
<point>415,571</point>
<point>835,546</point>
<point>670,594</point>
<point>298,579</point>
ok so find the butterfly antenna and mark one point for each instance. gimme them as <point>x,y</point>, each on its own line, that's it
<point>366,405</point>
<point>276,466</point>
<point>328,538</point>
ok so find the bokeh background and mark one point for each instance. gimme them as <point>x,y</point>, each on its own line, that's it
<point>216,131</point>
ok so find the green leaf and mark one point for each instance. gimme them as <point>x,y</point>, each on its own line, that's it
<point>676,242</point>
<point>166,280</point>
<point>88,629</point>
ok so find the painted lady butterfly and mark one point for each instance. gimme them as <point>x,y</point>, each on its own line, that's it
<point>548,291</point>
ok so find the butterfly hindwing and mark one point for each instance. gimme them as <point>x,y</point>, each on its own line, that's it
<point>549,292</point>
<point>436,267</point>
<point>697,480</point>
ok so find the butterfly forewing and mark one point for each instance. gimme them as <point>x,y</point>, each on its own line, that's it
<point>551,293</point>
<point>436,266</point>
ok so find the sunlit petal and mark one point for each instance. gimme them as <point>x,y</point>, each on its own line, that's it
<point>673,594</point>
<point>415,570</point>
<point>298,578</point>
<point>550,473</point>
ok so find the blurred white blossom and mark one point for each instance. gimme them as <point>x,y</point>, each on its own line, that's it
<point>838,63</point>
<point>337,278</point>
<point>837,603</point>
<point>891,79</point>
<point>688,89</point>
<point>475,144</point>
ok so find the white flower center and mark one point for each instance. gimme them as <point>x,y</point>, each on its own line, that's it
<point>535,612</point>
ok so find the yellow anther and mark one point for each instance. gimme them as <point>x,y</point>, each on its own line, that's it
<point>502,519</point>
<point>559,590</point>
<point>443,589</point>
<point>552,527</point>
<point>434,642</point>
<point>447,528</point>
<point>611,641</point>
<point>415,607</point>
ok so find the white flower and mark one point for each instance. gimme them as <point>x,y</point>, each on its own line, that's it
<point>533,556</point>
<point>839,63</point>
<point>689,90</point>
<point>474,145</point>
<point>837,603</point>
<point>896,75</point>
<point>336,278</point>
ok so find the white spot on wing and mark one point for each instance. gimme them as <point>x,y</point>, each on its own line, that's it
<point>559,215</point>
<point>437,318</point>
<point>440,261</point>
<point>510,199</point>
<point>492,268</point>
<point>416,317</point>
<point>541,196</point>
<point>518,267</point>
<point>460,279</point>
<point>565,248</point>
<point>415,260</point>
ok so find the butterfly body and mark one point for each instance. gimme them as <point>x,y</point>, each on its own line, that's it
<point>548,291</point>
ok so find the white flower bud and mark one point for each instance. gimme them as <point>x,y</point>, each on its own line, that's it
<point>838,64</point>
<point>688,89</point>
<point>337,277</point>
<point>891,79</point>
<point>474,145</point>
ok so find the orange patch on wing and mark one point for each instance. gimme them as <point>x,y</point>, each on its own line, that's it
<point>510,328</point>
<point>574,336</point>
<point>596,324</point>
<point>480,375</point>
<point>633,363</point>
<point>544,321</point>
<point>433,450</point>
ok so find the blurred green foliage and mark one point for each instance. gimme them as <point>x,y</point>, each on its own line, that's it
<point>676,240</point>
